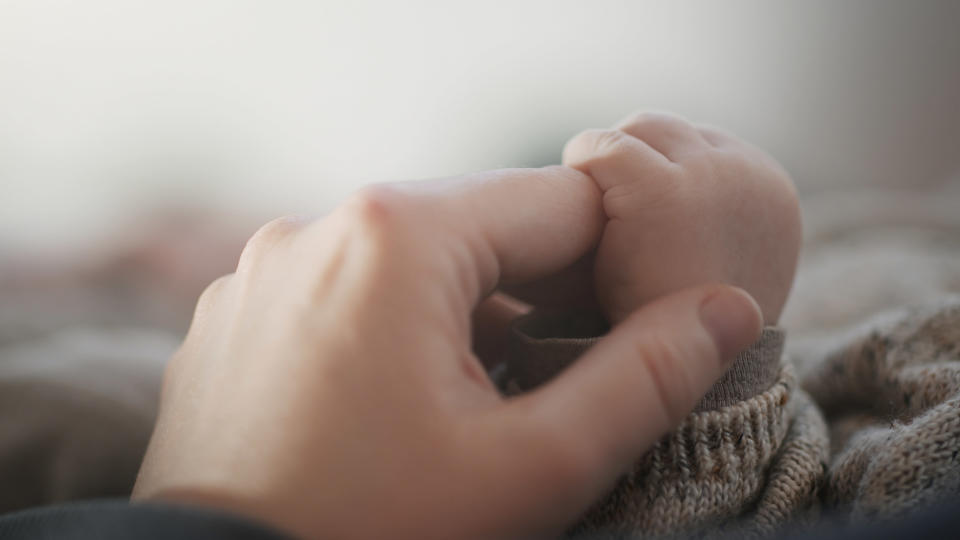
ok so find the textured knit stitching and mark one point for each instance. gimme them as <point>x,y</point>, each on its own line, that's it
<point>891,393</point>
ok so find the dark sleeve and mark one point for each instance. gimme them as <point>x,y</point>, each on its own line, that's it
<point>118,519</point>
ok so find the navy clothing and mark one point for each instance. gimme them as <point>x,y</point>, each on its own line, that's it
<point>117,519</point>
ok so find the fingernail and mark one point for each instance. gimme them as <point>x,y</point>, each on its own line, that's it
<point>733,319</point>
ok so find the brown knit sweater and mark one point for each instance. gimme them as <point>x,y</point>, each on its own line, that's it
<point>872,431</point>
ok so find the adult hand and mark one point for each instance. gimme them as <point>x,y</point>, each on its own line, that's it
<point>330,387</point>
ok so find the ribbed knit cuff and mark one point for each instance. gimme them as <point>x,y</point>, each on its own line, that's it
<point>713,468</point>
<point>707,472</point>
<point>542,344</point>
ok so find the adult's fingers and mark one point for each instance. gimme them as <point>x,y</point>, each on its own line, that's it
<point>519,224</point>
<point>601,414</point>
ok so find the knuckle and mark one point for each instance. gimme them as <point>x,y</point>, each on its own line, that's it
<point>209,298</point>
<point>376,208</point>
<point>654,120</point>
<point>278,228</point>
<point>716,136</point>
<point>600,144</point>
<point>214,289</point>
<point>379,220</point>
<point>269,236</point>
<point>612,142</point>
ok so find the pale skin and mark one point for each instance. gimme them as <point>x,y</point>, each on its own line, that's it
<point>334,388</point>
<point>687,204</point>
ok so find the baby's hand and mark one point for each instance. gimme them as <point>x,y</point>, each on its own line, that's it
<point>687,205</point>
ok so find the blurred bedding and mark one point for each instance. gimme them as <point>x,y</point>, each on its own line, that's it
<point>867,251</point>
<point>83,344</point>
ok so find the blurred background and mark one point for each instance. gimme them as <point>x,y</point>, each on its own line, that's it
<point>142,142</point>
<point>112,108</point>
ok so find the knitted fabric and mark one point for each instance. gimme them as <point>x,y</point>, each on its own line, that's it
<point>757,454</point>
<point>892,394</point>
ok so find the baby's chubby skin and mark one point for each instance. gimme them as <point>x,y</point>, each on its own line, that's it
<point>686,205</point>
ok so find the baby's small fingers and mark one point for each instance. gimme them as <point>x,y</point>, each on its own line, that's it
<point>613,157</point>
<point>670,135</point>
<point>731,145</point>
<point>721,138</point>
<point>715,136</point>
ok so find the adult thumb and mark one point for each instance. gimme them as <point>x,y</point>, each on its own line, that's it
<point>633,386</point>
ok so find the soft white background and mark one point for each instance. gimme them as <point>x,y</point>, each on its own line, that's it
<point>111,107</point>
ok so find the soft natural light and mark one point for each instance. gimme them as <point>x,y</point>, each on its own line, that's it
<point>109,107</point>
